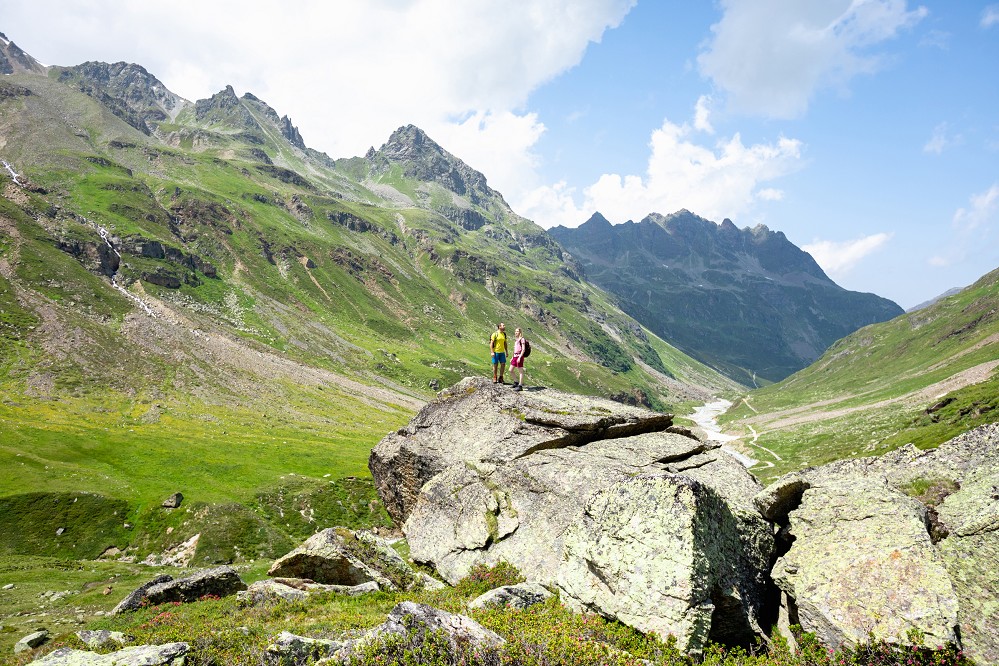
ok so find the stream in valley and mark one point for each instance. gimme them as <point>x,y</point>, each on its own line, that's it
<point>706,417</point>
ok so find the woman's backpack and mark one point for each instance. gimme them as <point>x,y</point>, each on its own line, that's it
<point>527,348</point>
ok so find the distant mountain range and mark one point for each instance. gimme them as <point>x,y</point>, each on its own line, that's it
<point>747,302</point>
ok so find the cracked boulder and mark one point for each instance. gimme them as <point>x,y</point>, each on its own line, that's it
<point>667,554</point>
<point>342,557</point>
<point>884,546</point>
<point>484,474</point>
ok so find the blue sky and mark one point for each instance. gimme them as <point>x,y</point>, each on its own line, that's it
<point>866,130</point>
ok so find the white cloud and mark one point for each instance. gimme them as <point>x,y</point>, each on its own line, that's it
<point>839,258</point>
<point>990,16</point>
<point>702,114</point>
<point>772,56</point>
<point>972,227</point>
<point>498,143</point>
<point>349,72</point>
<point>716,181</point>
<point>942,140</point>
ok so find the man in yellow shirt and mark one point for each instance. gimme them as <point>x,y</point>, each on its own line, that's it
<point>497,347</point>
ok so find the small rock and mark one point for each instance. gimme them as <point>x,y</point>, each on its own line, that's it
<point>31,641</point>
<point>60,531</point>
<point>8,586</point>
<point>173,501</point>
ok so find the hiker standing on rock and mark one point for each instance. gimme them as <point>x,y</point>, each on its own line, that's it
<point>497,347</point>
<point>520,351</point>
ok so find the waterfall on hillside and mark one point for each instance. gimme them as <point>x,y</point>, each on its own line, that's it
<point>106,235</point>
<point>13,174</point>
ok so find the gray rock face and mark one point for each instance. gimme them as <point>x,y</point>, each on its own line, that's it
<point>168,654</point>
<point>666,554</point>
<point>218,581</point>
<point>862,562</point>
<point>31,641</point>
<point>289,649</point>
<point>173,501</point>
<point>408,620</point>
<point>908,540</point>
<point>339,556</point>
<point>484,474</point>
<point>512,596</point>
<point>135,598</point>
<point>102,638</point>
<point>479,421</point>
<point>297,589</point>
<point>419,619</point>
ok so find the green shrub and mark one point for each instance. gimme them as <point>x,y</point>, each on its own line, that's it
<point>483,578</point>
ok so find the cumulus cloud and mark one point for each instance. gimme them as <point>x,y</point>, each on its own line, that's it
<point>990,16</point>
<point>348,72</point>
<point>940,141</point>
<point>716,181</point>
<point>972,227</point>
<point>772,56</point>
<point>837,258</point>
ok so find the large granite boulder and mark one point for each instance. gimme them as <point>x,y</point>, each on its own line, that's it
<point>485,474</point>
<point>479,421</point>
<point>339,556</point>
<point>666,554</point>
<point>905,541</point>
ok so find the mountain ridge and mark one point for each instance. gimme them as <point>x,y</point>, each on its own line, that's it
<point>748,302</point>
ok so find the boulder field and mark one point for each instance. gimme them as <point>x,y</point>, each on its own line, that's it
<point>629,516</point>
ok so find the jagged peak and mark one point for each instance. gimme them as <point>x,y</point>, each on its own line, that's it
<point>425,159</point>
<point>14,60</point>
<point>283,123</point>
<point>598,219</point>
<point>225,108</point>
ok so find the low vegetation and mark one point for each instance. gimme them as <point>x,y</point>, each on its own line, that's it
<point>222,633</point>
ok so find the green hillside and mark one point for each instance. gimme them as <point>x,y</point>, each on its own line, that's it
<point>192,300</point>
<point>921,378</point>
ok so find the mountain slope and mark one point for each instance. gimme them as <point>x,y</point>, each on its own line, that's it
<point>192,299</point>
<point>922,378</point>
<point>747,302</point>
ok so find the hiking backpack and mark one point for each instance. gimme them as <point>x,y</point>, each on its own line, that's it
<point>527,348</point>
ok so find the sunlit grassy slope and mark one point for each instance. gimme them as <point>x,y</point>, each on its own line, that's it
<point>298,309</point>
<point>921,378</point>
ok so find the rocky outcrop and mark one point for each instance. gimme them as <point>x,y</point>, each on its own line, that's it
<point>218,581</point>
<point>410,622</point>
<point>632,518</point>
<point>667,554</point>
<point>484,474</point>
<point>339,556</point>
<point>31,641</point>
<point>523,595</point>
<point>906,541</point>
<point>296,589</point>
<point>168,654</point>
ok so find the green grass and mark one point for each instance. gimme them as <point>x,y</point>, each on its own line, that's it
<point>874,390</point>
<point>220,632</point>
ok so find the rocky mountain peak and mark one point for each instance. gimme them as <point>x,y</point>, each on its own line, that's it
<point>13,60</point>
<point>425,159</point>
<point>684,276</point>
<point>291,132</point>
<point>225,108</point>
